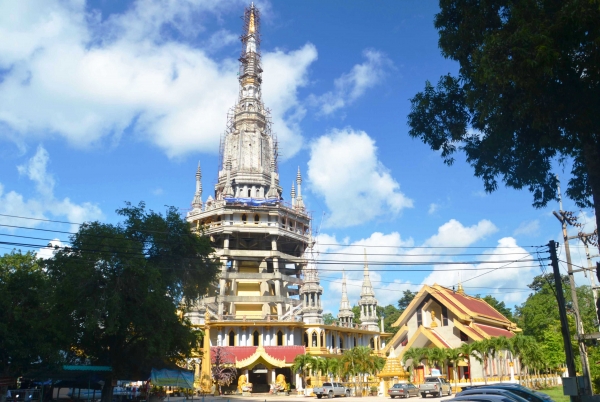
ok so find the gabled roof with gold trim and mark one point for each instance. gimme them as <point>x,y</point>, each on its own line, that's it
<point>466,308</point>
<point>249,356</point>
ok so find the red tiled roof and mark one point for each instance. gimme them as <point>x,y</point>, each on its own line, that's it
<point>439,338</point>
<point>479,306</point>
<point>493,331</point>
<point>231,354</point>
<point>286,353</point>
<point>476,306</point>
<point>447,299</point>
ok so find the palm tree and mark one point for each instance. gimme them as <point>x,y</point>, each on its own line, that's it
<point>454,356</point>
<point>303,363</point>
<point>502,343</point>
<point>527,351</point>
<point>331,367</point>
<point>467,350</point>
<point>436,357</point>
<point>481,348</point>
<point>415,355</point>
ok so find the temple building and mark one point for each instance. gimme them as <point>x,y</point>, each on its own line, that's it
<point>447,318</point>
<point>266,307</point>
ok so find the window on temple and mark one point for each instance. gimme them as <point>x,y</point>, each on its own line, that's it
<point>249,193</point>
<point>463,337</point>
<point>244,218</point>
<point>372,342</point>
<point>355,342</point>
<point>341,343</point>
<point>255,339</point>
<point>419,317</point>
<point>279,338</point>
<point>322,339</point>
<point>444,316</point>
<point>305,339</point>
<point>314,339</point>
<point>332,340</point>
<point>256,218</point>
<point>231,338</point>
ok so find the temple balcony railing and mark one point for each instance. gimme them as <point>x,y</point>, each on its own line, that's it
<point>252,299</point>
<point>261,277</point>
<point>255,318</point>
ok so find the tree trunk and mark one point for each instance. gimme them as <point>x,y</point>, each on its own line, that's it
<point>107,390</point>
<point>591,152</point>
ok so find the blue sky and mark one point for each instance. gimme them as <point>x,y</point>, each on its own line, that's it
<point>108,101</point>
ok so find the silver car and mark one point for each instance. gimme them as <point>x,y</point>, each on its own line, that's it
<point>403,391</point>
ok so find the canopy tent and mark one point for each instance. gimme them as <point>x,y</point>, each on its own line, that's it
<point>173,378</point>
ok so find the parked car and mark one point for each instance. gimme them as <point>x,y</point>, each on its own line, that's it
<point>491,391</point>
<point>403,390</point>
<point>435,386</point>
<point>483,398</point>
<point>331,389</point>
<point>524,392</point>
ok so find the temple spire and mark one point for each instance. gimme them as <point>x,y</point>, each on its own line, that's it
<point>197,202</point>
<point>367,302</point>
<point>345,316</point>
<point>293,195</point>
<point>299,202</point>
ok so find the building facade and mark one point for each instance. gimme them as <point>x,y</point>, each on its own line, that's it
<point>445,318</point>
<point>266,307</point>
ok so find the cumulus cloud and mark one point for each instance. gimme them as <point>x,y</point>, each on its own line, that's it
<point>50,249</point>
<point>454,234</point>
<point>44,204</point>
<point>504,272</point>
<point>345,171</point>
<point>352,85</point>
<point>69,73</point>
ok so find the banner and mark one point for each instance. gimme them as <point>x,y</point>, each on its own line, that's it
<point>172,378</point>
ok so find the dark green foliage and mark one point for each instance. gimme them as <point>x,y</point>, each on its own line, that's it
<point>527,94</point>
<point>390,314</point>
<point>407,297</point>
<point>356,311</point>
<point>328,319</point>
<point>119,290</point>
<point>30,338</point>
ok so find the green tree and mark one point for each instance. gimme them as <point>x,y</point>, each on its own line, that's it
<point>454,356</point>
<point>468,350</point>
<point>390,315</point>
<point>526,95</point>
<point>407,297</point>
<point>120,291</point>
<point>356,311</point>
<point>415,355</point>
<point>31,338</point>
<point>328,319</point>
<point>481,348</point>
<point>303,364</point>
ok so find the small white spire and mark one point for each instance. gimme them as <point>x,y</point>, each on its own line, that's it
<point>299,202</point>
<point>197,201</point>
<point>293,196</point>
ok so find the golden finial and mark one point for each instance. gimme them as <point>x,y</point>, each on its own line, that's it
<point>251,27</point>
<point>460,290</point>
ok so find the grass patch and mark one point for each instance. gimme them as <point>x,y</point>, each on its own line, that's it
<point>556,393</point>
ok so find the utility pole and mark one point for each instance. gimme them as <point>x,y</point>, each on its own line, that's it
<point>562,310</point>
<point>564,218</point>
<point>587,239</point>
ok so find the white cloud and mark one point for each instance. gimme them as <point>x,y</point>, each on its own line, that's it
<point>454,234</point>
<point>497,274</point>
<point>71,74</point>
<point>344,170</point>
<point>44,203</point>
<point>50,249</point>
<point>528,228</point>
<point>350,86</point>
<point>433,208</point>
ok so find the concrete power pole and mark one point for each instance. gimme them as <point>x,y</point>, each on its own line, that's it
<point>587,239</point>
<point>564,218</point>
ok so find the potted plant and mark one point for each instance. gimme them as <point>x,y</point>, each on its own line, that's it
<point>373,390</point>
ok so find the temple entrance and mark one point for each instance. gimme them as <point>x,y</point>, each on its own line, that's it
<point>258,377</point>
